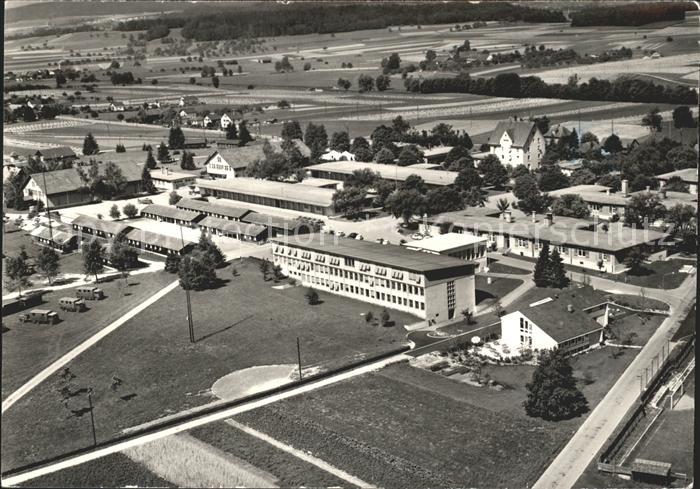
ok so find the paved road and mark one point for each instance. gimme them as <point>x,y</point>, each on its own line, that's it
<point>188,425</point>
<point>600,424</point>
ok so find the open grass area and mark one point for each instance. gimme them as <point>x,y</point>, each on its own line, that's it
<point>27,348</point>
<point>408,427</point>
<point>115,470</point>
<point>12,243</point>
<point>636,328</point>
<point>497,267</point>
<point>688,326</point>
<point>638,302</point>
<point>243,323</point>
<point>655,275</point>
<point>497,289</point>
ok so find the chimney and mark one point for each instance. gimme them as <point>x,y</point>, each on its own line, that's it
<point>570,308</point>
<point>508,216</point>
<point>625,187</point>
<point>648,189</point>
<point>607,192</point>
<point>534,216</point>
<point>549,219</point>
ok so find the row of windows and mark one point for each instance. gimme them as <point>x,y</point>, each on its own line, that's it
<point>470,254</point>
<point>563,250</point>
<point>526,341</point>
<point>362,291</point>
<point>579,340</point>
<point>268,201</point>
<point>525,326</point>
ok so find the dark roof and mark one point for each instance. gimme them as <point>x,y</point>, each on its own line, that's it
<point>156,239</point>
<point>68,180</point>
<point>232,226</point>
<point>171,212</point>
<point>558,131</point>
<point>214,117</point>
<point>241,157</point>
<point>553,316</point>
<point>272,221</point>
<point>60,152</point>
<point>384,255</point>
<point>519,132</point>
<point>208,207</point>
<point>651,467</point>
<point>112,227</point>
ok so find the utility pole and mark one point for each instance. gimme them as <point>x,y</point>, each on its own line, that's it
<point>92,417</point>
<point>299,357</point>
<point>46,196</point>
<point>190,324</point>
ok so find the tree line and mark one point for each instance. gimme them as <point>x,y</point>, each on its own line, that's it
<point>630,14</point>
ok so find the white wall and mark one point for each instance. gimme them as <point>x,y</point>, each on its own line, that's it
<point>510,333</point>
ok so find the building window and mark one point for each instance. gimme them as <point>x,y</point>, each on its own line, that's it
<point>580,252</point>
<point>451,294</point>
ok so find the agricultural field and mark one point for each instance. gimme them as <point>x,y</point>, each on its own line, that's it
<point>242,323</point>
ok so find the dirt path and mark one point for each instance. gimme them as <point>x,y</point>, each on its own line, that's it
<point>301,455</point>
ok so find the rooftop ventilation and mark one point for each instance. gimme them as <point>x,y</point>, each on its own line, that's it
<point>540,302</point>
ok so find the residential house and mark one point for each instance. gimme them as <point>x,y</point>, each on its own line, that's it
<point>226,121</point>
<point>60,154</point>
<point>212,120</point>
<point>517,143</point>
<point>556,133</point>
<point>689,176</point>
<point>334,155</point>
<point>117,107</point>
<point>165,179</point>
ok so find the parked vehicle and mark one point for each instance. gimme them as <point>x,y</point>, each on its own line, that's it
<point>380,240</point>
<point>352,235</point>
<point>39,316</point>
<point>71,304</point>
<point>90,293</point>
<point>341,234</point>
<point>145,201</point>
<point>360,237</point>
<point>416,236</point>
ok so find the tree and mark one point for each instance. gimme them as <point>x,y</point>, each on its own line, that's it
<point>525,187</point>
<point>382,82</point>
<point>120,148</point>
<point>634,260</point>
<point>519,171</point>
<point>344,84</point>
<point>316,138</point>
<point>114,212</point>
<point>163,153</point>
<point>207,246</point>
<point>90,146</point>
<point>176,138</point>
<point>556,274</point>
<point>494,172</point>
<point>47,262</point>
<point>369,317</point>
<point>683,225</point>
<point>94,256</point>
<point>172,263</point>
<point>244,136</point>
<point>231,131</point>
<point>676,184</point>
<point>312,297</point>
<point>196,271</point>
<point>542,267</point>
<point>405,204</point>
<point>150,160</point>
<point>589,137</point>
<point>613,144</point>
<point>410,155</point>
<point>340,141</point>
<point>365,83</point>
<point>384,156</point>
<point>384,318</point>
<point>682,157</point>
<point>683,117</point>
<point>571,205</point>
<point>361,149</point>
<point>130,210</point>
<point>552,178</point>
<point>467,314</point>
<point>292,130</point>
<point>399,125</point>
<point>582,176</point>
<point>122,256</point>
<point>414,182</point>
<point>502,205</point>
<point>468,178</point>
<point>392,63</point>
<point>187,161</point>
<point>173,198</point>
<point>349,201</point>
<point>653,120</point>
<point>552,393</point>
<point>443,199</point>
<point>265,267</point>
<point>215,81</point>
<point>60,79</point>
<point>17,273</point>
<point>146,183</point>
<point>644,209</point>
<point>12,191</point>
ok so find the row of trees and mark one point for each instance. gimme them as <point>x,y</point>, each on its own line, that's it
<point>631,14</point>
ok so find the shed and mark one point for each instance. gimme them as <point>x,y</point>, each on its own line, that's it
<point>651,471</point>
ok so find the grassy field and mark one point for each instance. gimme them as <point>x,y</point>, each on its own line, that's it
<point>499,287</point>
<point>12,242</point>
<point>688,326</point>
<point>115,470</point>
<point>637,302</point>
<point>636,329</point>
<point>243,323</point>
<point>496,267</point>
<point>374,426</point>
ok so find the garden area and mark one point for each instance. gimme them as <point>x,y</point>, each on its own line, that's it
<point>244,322</point>
<point>630,328</point>
<point>654,275</point>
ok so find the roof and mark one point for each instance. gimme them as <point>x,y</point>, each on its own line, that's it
<point>291,192</point>
<point>689,175</point>
<point>214,117</point>
<point>112,227</point>
<point>319,182</point>
<point>60,152</point>
<point>558,131</point>
<point>68,180</point>
<point>170,212</point>
<point>445,242</point>
<point>425,166</point>
<point>242,156</point>
<point>213,208</point>
<point>56,235</point>
<point>553,316</point>
<point>384,255</point>
<point>272,221</point>
<point>156,239</point>
<point>437,151</point>
<point>651,467</point>
<point>170,176</point>
<point>388,172</point>
<point>519,132</point>
<point>247,229</point>
<point>566,231</point>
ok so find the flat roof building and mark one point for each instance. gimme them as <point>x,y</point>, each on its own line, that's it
<point>166,213</point>
<point>234,229</point>
<point>301,198</point>
<point>169,180</point>
<point>458,245</point>
<point>341,170</point>
<point>433,287</point>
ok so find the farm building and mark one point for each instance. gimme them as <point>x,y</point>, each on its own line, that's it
<point>232,161</point>
<point>158,243</point>
<point>432,287</point>
<point>234,229</point>
<point>301,198</point>
<point>212,120</point>
<point>58,238</point>
<point>165,179</point>
<point>342,170</point>
<point>117,107</point>
<point>571,320</point>
<point>221,211</point>
<point>458,245</point>
<point>188,100</point>
<point>689,176</point>
<point>166,213</point>
<point>56,155</point>
<point>91,226</point>
<point>194,143</point>
<point>517,143</point>
<point>580,243</point>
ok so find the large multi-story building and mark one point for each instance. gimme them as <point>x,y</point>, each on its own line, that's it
<point>430,286</point>
<point>517,143</point>
<point>458,245</point>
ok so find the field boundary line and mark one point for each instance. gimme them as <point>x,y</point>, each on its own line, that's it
<point>321,464</point>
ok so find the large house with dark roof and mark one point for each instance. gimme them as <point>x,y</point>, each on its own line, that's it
<point>517,143</point>
<point>56,155</point>
<point>232,162</point>
<point>432,287</point>
<point>571,320</point>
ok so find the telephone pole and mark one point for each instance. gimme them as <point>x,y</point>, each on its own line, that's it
<point>46,196</point>
<point>92,417</point>
<point>299,357</point>
<point>190,323</point>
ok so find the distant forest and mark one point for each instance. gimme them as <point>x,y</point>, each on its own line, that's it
<point>626,89</point>
<point>630,14</point>
<point>263,20</point>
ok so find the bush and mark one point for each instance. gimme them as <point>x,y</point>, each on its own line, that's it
<point>173,198</point>
<point>312,297</point>
<point>130,210</point>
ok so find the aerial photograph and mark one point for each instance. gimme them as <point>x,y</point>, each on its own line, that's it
<point>349,244</point>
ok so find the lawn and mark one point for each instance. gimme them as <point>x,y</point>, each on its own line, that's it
<point>243,323</point>
<point>635,329</point>
<point>638,302</point>
<point>497,267</point>
<point>497,289</point>
<point>28,348</point>
<point>688,326</point>
<point>114,470</point>
<point>655,275</point>
<point>407,427</point>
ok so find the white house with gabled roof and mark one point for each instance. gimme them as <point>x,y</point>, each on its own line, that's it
<point>517,143</point>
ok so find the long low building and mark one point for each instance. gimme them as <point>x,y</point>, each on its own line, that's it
<point>98,227</point>
<point>212,209</point>
<point>277,226</point>
<point>580,243</point>
<point>301,198</point>
<point>433,287</point>
<point>166,213</point>
<point>342,170</point>
<point>234,229</point>
<point>158,243</point>
<point>165,179</point>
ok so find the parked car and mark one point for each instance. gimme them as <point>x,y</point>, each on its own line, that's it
<point>144,201</point>
<point>380,240</point>
<point>352,235</point>
<point>360,237</point>
<point>341,233</point>
<point>416,236</point>
<point>90,293</point>
<point>71,304</point>
<point>39,316</point>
